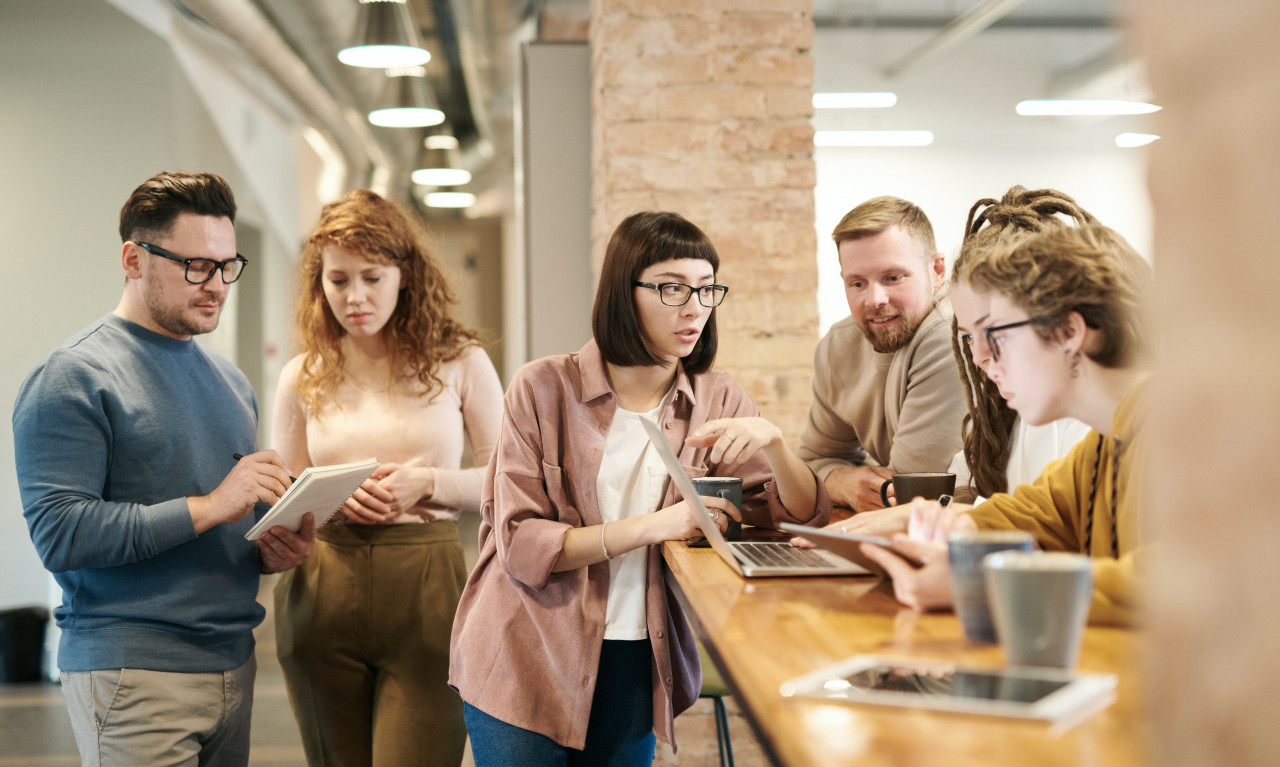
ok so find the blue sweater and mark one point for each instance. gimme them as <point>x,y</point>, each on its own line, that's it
<point>112,432</point>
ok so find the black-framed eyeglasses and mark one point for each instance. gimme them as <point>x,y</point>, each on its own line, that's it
<point>678,293</point>
<point>201,270</point>
<point>996,343</point>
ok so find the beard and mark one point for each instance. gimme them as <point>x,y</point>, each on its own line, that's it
<point>169,315</point>
<point>887,340</point>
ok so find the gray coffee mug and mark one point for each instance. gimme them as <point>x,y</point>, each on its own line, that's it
<point>729,488</point>
<point>929,485</point>
<point>968,581</point>
<point>1040,604</point>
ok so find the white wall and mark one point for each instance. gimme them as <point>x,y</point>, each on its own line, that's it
<point>981,147</point>
<point>93,104</point>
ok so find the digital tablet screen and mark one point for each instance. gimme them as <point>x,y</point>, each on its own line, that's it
<point>955,684</point>
<point>1026,692</point>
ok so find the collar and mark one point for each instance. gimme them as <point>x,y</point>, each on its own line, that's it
<point>595,381</point>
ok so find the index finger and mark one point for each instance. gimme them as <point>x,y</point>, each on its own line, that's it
<point>895,566</point>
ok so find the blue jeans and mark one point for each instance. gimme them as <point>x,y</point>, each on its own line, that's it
<point>619,732</point>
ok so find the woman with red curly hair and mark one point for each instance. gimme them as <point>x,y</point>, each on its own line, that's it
<point>363,625</point>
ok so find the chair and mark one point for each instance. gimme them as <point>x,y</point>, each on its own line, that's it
<point>713,687</point>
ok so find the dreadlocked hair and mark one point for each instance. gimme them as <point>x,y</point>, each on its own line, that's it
<point>988,426</point>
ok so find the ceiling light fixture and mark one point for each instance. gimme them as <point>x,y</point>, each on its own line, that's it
<point>1129,140</point>
<point>406,101</point>
<point>1083,107</point>
<point>863,100</point>
<point>872,138</point>
<point>449,199</point>
<point>440,164</point>
<point>385,37</point>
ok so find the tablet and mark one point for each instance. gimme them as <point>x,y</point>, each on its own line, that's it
<point>847,545</point>
<point>1022,692</point>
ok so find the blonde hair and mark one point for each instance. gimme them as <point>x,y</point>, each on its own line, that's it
<point>991,223</point>
<point>881,213</point>
<point>420,334</point>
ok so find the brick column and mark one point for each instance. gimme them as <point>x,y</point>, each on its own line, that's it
<point>702,107</point>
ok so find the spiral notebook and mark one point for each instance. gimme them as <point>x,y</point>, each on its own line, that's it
<point>319,489</point>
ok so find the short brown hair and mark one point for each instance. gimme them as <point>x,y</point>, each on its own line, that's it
<point>640,241</point>
<point>881,213</point>
<point>151,210</point>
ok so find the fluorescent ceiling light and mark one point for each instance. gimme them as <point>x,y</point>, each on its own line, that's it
<point>385,36</point>
<point>1129,140</point>
<point>440,141</point>
<point>406,102</point>
<point>441,176</point>
<point>861,138</point>
<point>449,199</point>
<point>868,100</point>
<point>1076,107</point>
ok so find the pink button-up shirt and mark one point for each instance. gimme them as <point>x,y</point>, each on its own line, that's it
<point>526,641</point>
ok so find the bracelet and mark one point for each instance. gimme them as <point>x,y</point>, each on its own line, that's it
<point>603,547</point>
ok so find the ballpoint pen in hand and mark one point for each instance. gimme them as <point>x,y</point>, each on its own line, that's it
<point>238,456</point>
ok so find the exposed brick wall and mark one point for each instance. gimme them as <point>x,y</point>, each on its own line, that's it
<point>702,107</point>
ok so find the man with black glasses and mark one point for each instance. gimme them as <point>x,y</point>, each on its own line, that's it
<point>124,440</point>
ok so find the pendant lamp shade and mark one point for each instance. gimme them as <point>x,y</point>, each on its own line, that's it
<point>406,101</point>
<point>440,163</point>
<point>385,36</point>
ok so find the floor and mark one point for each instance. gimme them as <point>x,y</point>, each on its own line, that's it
<point>36,732</point>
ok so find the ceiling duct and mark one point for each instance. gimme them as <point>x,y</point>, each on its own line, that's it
<point>961,28</point>
<point>243,22</point>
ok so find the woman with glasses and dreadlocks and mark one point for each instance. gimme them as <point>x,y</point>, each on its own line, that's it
<point>1063,335</point>
<point>568,647</point>
<point>1001,450</point>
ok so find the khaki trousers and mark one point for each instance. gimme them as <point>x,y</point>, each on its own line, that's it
<point>129,717</point>
<point>362,630</point>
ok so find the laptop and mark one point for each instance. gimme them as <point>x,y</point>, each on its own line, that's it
<point>750,559</point>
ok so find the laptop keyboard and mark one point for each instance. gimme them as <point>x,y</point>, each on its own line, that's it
<point>779,554</point>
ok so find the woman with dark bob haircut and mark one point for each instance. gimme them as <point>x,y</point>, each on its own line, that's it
<point>568,647</point>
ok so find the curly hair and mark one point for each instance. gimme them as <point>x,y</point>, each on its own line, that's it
<point>420,334</point>
<point>988,427</point>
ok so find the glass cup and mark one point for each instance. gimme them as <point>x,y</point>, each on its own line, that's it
<point>968,581</point>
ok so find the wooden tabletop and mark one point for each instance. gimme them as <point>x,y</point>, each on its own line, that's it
<point>764,631</point>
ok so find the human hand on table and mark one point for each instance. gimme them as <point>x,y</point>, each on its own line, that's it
<point>858,487</point>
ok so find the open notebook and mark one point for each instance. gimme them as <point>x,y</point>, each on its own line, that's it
<point>319,489</point>
<point>751,559</point>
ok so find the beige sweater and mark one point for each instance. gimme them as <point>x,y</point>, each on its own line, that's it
<point>400,428</point>
<point>901,410</point>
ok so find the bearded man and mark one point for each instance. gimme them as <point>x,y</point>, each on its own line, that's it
<point>887,396</point>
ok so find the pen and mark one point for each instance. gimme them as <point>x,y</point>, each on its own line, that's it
<point>237,456</point>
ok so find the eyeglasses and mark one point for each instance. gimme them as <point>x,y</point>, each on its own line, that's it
<point>678,293</point>
<point>996,343</point>
<point>200,270</point>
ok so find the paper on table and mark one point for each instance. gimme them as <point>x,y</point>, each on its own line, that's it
<point>319,489</point>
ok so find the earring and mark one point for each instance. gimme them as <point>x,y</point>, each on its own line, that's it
<point>1074,364</point>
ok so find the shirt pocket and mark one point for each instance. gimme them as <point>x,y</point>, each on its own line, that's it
<point>560,494</point>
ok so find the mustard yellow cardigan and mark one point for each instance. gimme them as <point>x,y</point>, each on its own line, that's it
<point>1055,508</point>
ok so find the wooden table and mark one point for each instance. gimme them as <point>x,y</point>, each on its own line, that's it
<point>764,631</point>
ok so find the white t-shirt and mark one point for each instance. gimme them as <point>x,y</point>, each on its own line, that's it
<point>630,483</point>
<point>1031,449</point>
